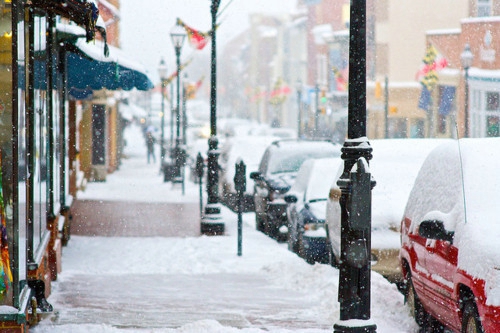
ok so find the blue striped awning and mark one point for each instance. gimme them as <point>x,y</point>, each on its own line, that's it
<point>89,67</point>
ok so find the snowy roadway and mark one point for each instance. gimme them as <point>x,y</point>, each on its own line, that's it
<point>194,283</point>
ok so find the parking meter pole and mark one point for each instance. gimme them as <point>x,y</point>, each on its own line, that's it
<point>199,174</point>
<point>240,185</point>
<point>355,200</point>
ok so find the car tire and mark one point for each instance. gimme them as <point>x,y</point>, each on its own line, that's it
<point>292,242</point>
<point>302,251</point>
<point>471,323</point>
<point>331,258</point>
<point>270,229</point>
<point>260,224</point>
<point>414,306</point>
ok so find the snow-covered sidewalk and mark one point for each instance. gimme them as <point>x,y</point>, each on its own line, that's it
<point>196,284</point>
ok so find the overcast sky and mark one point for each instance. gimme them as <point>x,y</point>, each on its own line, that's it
<point>145,25</point>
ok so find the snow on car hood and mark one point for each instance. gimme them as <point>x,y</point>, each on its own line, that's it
<point>282,180</point>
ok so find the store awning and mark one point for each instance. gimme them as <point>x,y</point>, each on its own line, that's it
<point>89,69</point>
<point>91,66</point>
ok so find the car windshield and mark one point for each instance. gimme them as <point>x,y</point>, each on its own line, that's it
<point>290,161</point>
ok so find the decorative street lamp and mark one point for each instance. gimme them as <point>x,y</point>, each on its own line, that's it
<point>356,185</point>
<point>162,71</point>
<point>299,105</point>
<point>466,58</point>
<point>178,34</point>
<point>211,222</point>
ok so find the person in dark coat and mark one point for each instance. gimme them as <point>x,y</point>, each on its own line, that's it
<point>150,143</point>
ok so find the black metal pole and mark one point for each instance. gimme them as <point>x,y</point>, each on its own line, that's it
<point>386,108</point>
<point>299,111</point>
<point>162,139</point>
<point>316,113</point>
<point>184,115</point>
<point>177,156</point>
<point>171,117</point>
<point>177,110</point>
<point>355,201</point>
<point>212,223</point>
<point>466,105</point>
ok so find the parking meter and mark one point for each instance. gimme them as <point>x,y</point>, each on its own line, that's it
<point>358,254</point>
<point>240,184</point>
<point>240,180</point>
<point>199,173</point>
<point>361,197</point>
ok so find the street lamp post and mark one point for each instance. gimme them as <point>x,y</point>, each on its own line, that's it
<point>162,71</point>
<point>466,58</point>
<point>356,184</point>
<point>178,34</point>
<point>211,222</point>
<point>184,113</point>
<point>316,113</point>
<point>299,108</point>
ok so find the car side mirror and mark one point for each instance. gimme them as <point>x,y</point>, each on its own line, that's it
<point>435,229</point>
<point>256,175</point>
<point>290,198</point>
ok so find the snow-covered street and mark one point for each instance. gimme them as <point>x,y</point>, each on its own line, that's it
<point>195,284</point>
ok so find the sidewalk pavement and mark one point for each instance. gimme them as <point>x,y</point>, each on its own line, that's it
<point>135,219</point>
<point>136,263</point>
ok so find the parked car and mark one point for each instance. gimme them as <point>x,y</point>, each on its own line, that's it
<point>277,171</point>
<point>449,238</point>
<point>394,167</point>
<point>250,150</point>
<point>306,209</point>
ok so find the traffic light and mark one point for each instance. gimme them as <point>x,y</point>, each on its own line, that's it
<point>323,101</point>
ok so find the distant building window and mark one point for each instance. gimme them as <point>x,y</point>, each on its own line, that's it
<point>322,71</point>
<point>492,101</point>
<point>483,8</point>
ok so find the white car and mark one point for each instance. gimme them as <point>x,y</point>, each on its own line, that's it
<point>306,210</point>
<point>394,167</point>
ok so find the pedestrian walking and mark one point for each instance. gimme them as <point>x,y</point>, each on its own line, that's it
<point>150,143</point>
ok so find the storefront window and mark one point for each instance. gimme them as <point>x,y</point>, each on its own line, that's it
<point>40,132</point>
<point>6,185</point>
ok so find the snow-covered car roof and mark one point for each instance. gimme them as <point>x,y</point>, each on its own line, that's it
<point>315,176</point>
<point>394,167</point>
<point>292,153</point>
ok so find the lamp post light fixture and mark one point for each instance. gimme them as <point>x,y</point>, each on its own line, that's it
<point>162,71</point>
<point>211,221</point>
<point>466,57</point>
<point>299,105</point>
<point>178,35</point>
